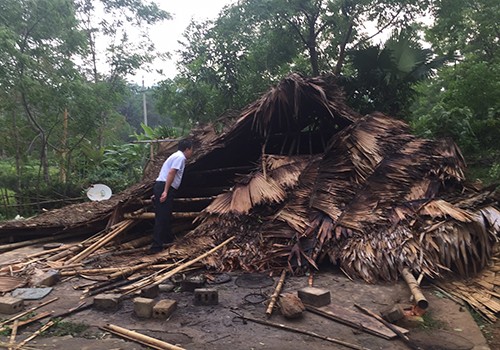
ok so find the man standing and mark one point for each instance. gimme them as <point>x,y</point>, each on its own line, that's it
<point>164,190</point>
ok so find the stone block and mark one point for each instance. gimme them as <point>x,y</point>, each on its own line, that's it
<point>10,305</point>
<point>314,296</point>
<point>48,279</point>
<point>150,292</point>
<point>206,296</point>
<point>107,302</point>
<point>164,308</point>
<point>143,307</point>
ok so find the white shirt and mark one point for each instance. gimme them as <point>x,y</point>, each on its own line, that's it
<point>176,161</point>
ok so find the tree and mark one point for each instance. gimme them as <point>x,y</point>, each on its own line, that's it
<point>465,95</point>
<point>254,44</point>
<point>385,75</point>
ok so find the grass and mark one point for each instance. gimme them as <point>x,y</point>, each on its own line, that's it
<point>430,322</point>
<point>62,328</point>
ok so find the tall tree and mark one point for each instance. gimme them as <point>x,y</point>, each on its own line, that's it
<point>253,44</point>
<point>464,100</point>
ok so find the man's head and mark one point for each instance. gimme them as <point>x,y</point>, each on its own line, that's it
<point>186,146</point>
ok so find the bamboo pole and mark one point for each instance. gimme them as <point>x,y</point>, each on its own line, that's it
<point>34,318</point>
<point>12,340</point>
<point>140,338</point>
<point>16,245</point>
<point>160,277</point>
<point>128,271</point>
<point>28,311</point>
<point>415,289</point>
<point>92,248</point>
<point>302,331</point>
<point>149,216</point>
<point>37,333</point>
<point>276,294</point>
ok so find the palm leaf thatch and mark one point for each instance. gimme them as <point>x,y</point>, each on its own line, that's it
<point>299,178</point>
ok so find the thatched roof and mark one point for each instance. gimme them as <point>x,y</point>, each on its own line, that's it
<point>299,178</point>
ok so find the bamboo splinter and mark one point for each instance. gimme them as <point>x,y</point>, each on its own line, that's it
<point>276,294</point>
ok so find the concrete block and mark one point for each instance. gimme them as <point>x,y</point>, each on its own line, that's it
<point>150,292</point>
<point>191,283</point>
<point>166,287</point>
<point>143,307</point>
<point>314,296</point>
<point>10,305</point>
<point>206,296</point>
<point>107,302</point>
<point>164,308</point>
<point>48,279</point>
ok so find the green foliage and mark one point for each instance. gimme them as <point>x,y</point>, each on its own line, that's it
<point>463,101</point>
<point>385,76</point>
<point>63,328</point>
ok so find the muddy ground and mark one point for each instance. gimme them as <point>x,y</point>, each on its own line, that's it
<point>446,325</point>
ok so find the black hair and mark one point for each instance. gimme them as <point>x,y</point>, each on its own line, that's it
<point>185,144</point>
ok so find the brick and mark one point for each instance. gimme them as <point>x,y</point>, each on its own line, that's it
<point>107,302</point>
<point>10,305</point>
<point>206,296</point>
<point>314,296</point>
<point>143,307</point>
<point>150,292</point>
<point>48,279</point>
<point>164,308</point>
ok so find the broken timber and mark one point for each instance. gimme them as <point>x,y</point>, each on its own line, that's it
<point>355,319</point>
<point>302,331</point>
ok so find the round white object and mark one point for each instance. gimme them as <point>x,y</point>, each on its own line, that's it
<point>99,192</point>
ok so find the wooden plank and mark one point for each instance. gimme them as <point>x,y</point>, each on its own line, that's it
<point>355,319</point>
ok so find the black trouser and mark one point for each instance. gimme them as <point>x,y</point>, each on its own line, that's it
<point>162,232</point>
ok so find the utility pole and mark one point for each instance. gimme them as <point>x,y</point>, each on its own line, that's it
<point>145,110</point>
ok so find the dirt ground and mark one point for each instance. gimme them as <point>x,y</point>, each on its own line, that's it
<point>446,325</point>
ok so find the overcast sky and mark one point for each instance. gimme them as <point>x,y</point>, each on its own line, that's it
<point>166,35</point>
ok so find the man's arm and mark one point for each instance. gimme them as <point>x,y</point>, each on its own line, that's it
<point>168,183</point>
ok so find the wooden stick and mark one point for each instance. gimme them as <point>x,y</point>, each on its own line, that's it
<point>276,294</point>
<point>34,318</point>
<point>302,331</point>
<point>12,340</point>
<point>389,325</point>
<point>157,279</point>
<point>140,338</point>
<point>37,333</point>
<point>415,289</point>
<point>27,311</point>
<point>92,248</point>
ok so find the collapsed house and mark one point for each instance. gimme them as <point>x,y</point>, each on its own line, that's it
<point>299,180</point>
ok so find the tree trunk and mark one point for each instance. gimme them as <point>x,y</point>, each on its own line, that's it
<point>340,61</point>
